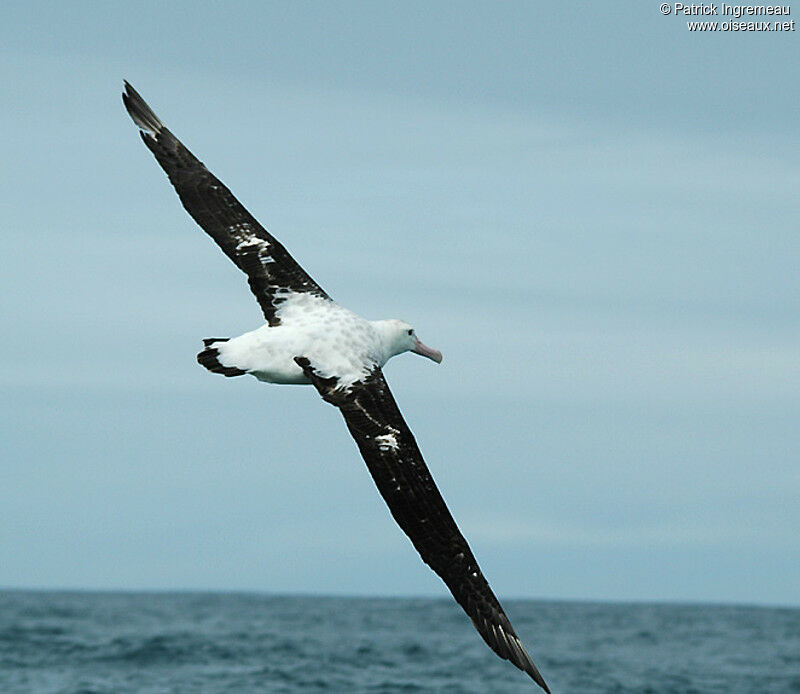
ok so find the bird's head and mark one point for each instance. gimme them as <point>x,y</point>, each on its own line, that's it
<point>398,337</point>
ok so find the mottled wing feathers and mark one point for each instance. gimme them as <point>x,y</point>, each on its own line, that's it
<point>404,481</point>
<point>272,273</point>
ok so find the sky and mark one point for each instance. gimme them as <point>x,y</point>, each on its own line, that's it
<point>590,210</point>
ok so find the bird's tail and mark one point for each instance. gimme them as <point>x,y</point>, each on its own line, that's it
<point>210,358</point>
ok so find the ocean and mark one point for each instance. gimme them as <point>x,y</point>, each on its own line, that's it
<point>93,642</point>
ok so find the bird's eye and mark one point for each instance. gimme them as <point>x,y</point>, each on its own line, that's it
<point>410,332</point>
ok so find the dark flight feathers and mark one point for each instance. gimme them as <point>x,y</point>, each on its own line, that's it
<point>405,483</point>
<point>272,273</point>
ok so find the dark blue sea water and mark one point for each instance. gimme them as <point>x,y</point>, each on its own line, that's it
<point>211,642</point>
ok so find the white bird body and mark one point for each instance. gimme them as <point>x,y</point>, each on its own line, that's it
<point>336,340</point>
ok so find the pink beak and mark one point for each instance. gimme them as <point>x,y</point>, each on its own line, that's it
<point>426,351</point>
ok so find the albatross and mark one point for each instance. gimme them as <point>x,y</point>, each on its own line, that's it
<point>310,339</point>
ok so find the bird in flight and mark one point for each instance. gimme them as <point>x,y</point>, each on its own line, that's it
<point>310,339</point>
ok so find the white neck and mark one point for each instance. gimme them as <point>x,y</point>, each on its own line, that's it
<point>389,344</point>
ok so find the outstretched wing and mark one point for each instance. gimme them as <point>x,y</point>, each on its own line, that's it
<point>404,481</point>
<point>274,276</point>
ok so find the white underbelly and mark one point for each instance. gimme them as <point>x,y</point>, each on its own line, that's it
<point>281,372</point>
<point>268,353</point>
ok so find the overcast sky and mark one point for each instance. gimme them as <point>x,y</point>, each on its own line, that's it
<point>590,210</point>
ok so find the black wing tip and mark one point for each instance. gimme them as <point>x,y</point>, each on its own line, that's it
<point>525,663</point>
<point>532,671</point>
<point>139,111</point>
<point>505,643</point>
<point>518,656</point>
<point>541,683</point>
